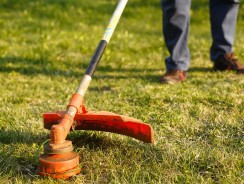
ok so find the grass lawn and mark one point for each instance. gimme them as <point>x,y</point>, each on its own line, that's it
<point>45,47</point>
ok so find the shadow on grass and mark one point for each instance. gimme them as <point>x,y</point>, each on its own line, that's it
<point>200,69</point>
<point>76,10</point>
<point>96,140</point>
<point>18,153</point>
<point>32,67</point>
<point>16,136</point>
<point>92,140</point>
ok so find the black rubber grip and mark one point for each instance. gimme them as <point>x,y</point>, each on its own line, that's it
<point>96,58</point>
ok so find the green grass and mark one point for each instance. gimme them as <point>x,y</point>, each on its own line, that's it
<point>45,47</point>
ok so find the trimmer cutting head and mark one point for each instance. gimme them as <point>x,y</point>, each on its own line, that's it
<point>105,121</point>
<point>59,161</point>
<point>59,166</point>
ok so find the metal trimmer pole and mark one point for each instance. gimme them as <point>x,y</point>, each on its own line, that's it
<point>85,82</point>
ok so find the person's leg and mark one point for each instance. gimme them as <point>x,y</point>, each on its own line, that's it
<point>223,17</point>
<point>176,18</point>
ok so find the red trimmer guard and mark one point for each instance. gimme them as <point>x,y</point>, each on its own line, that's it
<point>105,121</point>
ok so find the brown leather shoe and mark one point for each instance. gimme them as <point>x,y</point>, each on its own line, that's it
<point>173,76</point>
<point>228,62</point>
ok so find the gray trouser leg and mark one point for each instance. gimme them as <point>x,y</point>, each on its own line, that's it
<point>223,16</point>
<point>176,19</point>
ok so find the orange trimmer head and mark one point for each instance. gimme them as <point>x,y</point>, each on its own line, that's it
<point>59,166</point>
<point>59,160</point>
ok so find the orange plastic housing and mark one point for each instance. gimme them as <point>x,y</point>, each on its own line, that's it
<point>59,166</point>
<point>59,160</point>
<point>105,121</point>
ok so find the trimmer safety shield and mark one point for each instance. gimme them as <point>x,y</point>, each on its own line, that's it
<point>107,122</point>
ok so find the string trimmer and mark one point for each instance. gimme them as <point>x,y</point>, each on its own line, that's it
<point>59,160</point>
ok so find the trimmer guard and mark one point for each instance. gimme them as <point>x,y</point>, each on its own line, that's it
<point>104,121</point>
